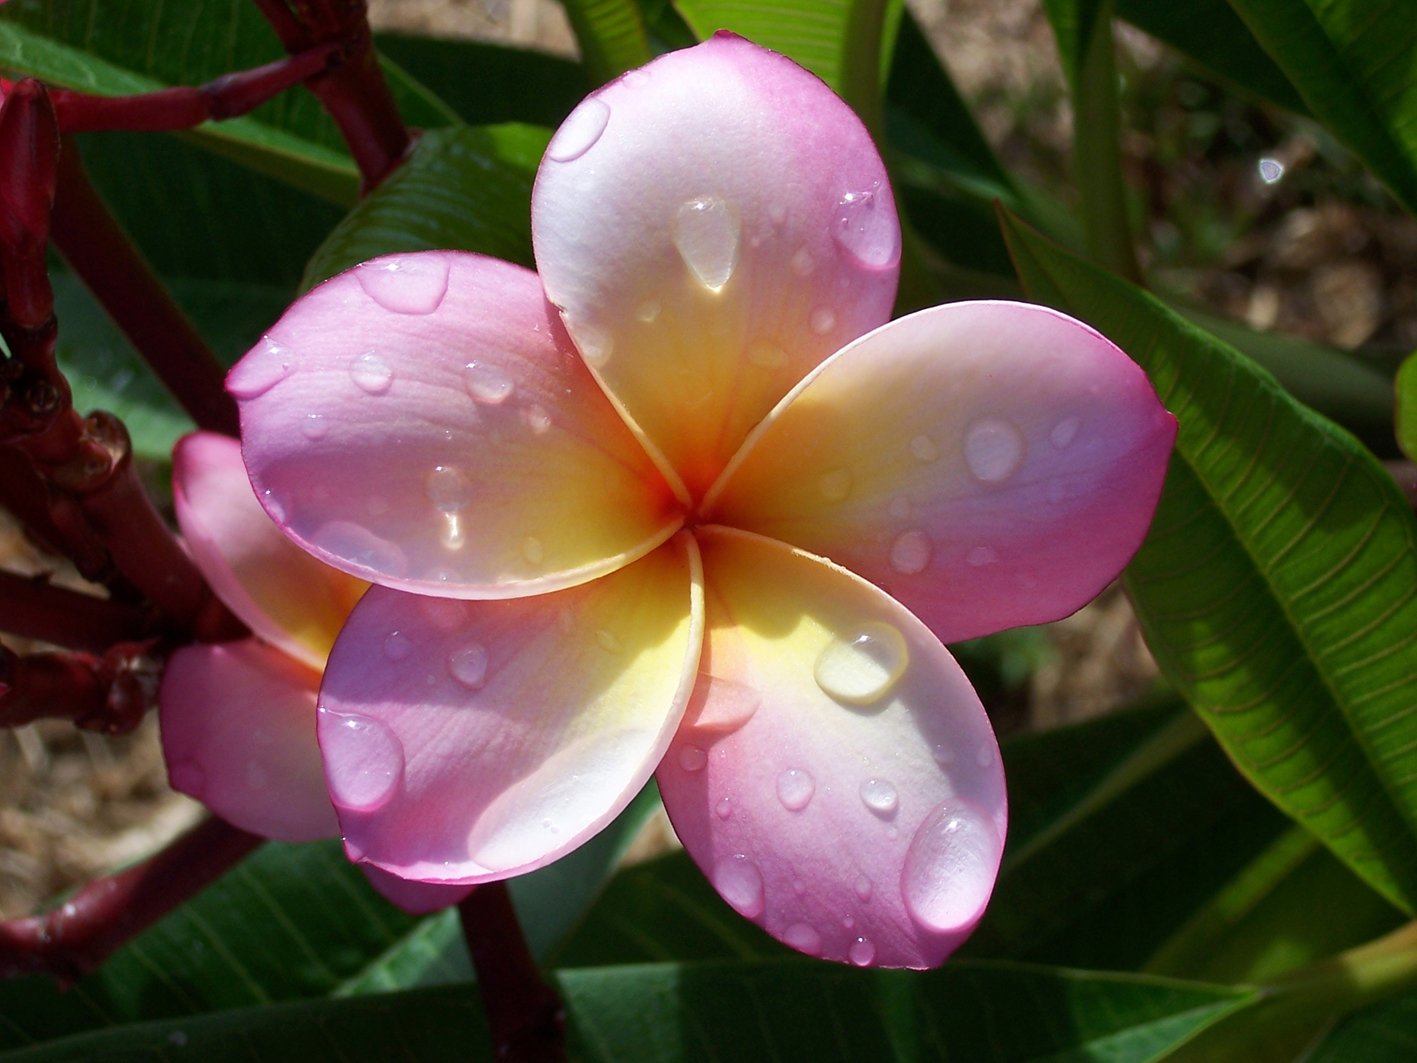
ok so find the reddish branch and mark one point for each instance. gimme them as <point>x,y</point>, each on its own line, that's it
<point>36,609</point>
<point>110,692</point>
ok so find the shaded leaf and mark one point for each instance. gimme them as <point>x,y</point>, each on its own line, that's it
<point>1407,407</point>
<point>611,35</point>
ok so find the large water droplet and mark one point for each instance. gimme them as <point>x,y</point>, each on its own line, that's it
<point>993,449</point>
<point>738,881</point>
<point>862,953</point>
<point>910,552</point>
<point>950,866</point>
<point>363,762</point>
<point>409,284</point>
<point>487,384</point>
<point>835,485</point>
<point>706,233</point>
<point>803,938</point>
<point>795,789</point>
<point>880,796</point>
<point>370,373</point>
<point>469,666</point>
<point>822,320</point>
<point>259,371</point>
<point>397,646</point>
<point>579,132</point>
<point>867,229</point>
<point>1065,431</point>
<point>692,758</point>
<point>447,488</point>
<point>361,548</point>
<point>863,668</point>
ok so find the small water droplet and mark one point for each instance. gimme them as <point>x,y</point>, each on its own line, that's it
<point>370,373</point>
<point>647,311</point>
<point>314,426</point>
<point>993,449</point>
<point>795,789</point>
<point>863,888</point>
<point>799,887</point>
<point>984,756</point>
<point>900,507</point>
<point>259,371</point>
<point>802,262</point>
<point>607,641</point>
<point>862,953</point>
<point>723,809</point>
<point>724,705</point>
<point>803,938</point>
<point>765,354</point>
<point>397,646</point>
<point>980,556</point>
<point>363,762</point>
<point>848,922</point>
<point>469,666</point>
<point>532,550</point>
<point>409,284</point>
<point>835,485</point>
<point>1064,431</point>
<point>924,449</point>
<point>273,505</point>
<point>692,758</point>
<point>823,320</point>
<point>447,488</point>
<point>537,419</point>
<point>866,229</point>
<point>740,884</point>
<point>862,669</point>
<point>950,866</point>
<point>1271,170</point>
<point>188,778</point>
<point>706,231</point>
<point>879,796</point>
<point>579,132</point>
<point>594,344</point>
<point>487,384</point>
<point>944,755</point>
<point>910,552</point>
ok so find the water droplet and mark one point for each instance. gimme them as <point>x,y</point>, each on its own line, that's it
<point>863,888</point>
<point>692,758</point>
<point>993,449</point>
<point>607,641</point>
<point>910,552</point>
<point>532,550</point>
<point>835,485</point>
<point>802,262</point>
<point>924,449</point>
<point>370,373</point>
<point>848,922</point>
<point>537,419</point>
<point>879,796</point>
<point>795,789</point>
<point>259,371</point>
<point>188,778</point>
<point>594,344</point>
<point>867,229</point>
<point>900,507</point>
<point>363,761</point>
<point>314,426</point>
<point>1271,170</point>
<point>1064,431</point>
<point>862,953</point>
<point>944,755</point>
<point>579,132</point>
<point>452,538</point>
<point>984,756</point>
<point>723,809</point>
<point>950,867</point>
<point>738,881</point>
<point>765,354</point>
<point>469,666</point>
<point>864,668</point>
<point>706,233</point>
<point>980,556</point>
<point>447,488</point>
<point>273,505</point>
<point>397,646</point>
<point>823,320</point>
<point>409,284</point>
<point>723,705</point>
<point>647,311</point>
<point>487,384</point>
<point>803,938</point>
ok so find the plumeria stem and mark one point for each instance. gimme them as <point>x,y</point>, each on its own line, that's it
<point>109,693</point>
<point>524,1013</point>
<point>36,609</point>
<point>75,938</point>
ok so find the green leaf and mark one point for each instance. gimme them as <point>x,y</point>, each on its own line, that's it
<point>611,35</point>
<point>1386,1033</point>
<point>1407,407</point>
<point>1351,63</point>
<point>1278,586</point>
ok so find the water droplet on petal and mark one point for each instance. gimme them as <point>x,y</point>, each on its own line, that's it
<point>862,953</point>
<point>723,809</point>
<point>314,426</point>
<point>594,344</point>
<point>487,384</point>
<point>802,262</point>
<point>740,884</point>
<point>363,762</point>
<point>910,552</point>
<point>370,373</point>
<point>803,938</point>
<point>361,548</point>
<point>924,449</point>
<point>532,550</point>
<point>579,132</point>
<point>607,641</point>
<point>397,646</point>
<point>848,921</point>
<point>723,705</point>
<point>795,789</point>
<point>863,668</point>
<point>1271,170</point>
<point>647,311</point>
<point>993,449</point>
<point>984,756</point>
<point>692,758</point>
<point>863,888</point>
<point>835,485</point>
<point>706,233</point>
<point>799,887</point>
<point>537,419</point>
<point>410,284</point>
<point>1064,431</point>
<point>823,320</point>
<point>469,666</point>
<point>950,867</point>
<point>980,556</point>
<point>452,538</point>
<point>447,488</point>
<point>879,796</point>
<point>866,229</point>
<point>765,354</point>
<point>259,371</point>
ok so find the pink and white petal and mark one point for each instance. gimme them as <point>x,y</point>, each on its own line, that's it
<point>988,464</point>
<point>712,226</point>
<point>467,741</point>
<point>415,898</point>
<point>281,593</point>
<point>423,421</point>
<point>238,734</point>
<point>835,777</point>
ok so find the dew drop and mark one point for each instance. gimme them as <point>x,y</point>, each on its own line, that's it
<point>397,646</point>
<point>314,426</point>
<point>706,233</point>
<point>370,373</point>
<point>469,666</point>
<point>1064,431</point>
<point>950,867</point>
<point>447,488</point>
<point>363,762</point>
<point>607,641</point>
<point>879,796</point>
<point>537,419</point>
<point>487,384</point>
<point>867,229</point>
<point>802,262</point>
<point>727,704</point>
<point>944,755</point>
<point>766,355</point>
<point>984,756</point>
<point>924,449</point>
<point>835,485</point>
<point>803,938</point>
<point>723,809</point>
<point>862,953</point>
<point>647,311</point>
<point>410,284</point>
<point>452,538</point>
<point>864,668</point>
<point>532,550</point>
<point>980,556</point>
<point>594,344</point>
<point>795,789</point>
<point>848,922</point>
<point>692,758</point>
<point>863,888</point>
<point>740,884</point>
<point>993,449</point>
<point>579,132</point>
<point>258,372</point>
<point>910,552</point>
<point>823,320</point>
<point>1271,170</point>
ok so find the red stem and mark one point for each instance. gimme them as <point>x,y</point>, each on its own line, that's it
<point>36,609</point>
<point>110,693</point>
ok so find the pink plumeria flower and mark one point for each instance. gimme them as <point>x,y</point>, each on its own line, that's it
<point>684,504</point>
<point>238,718</point>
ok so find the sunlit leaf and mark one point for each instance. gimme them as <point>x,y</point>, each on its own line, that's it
<point>611,35</point>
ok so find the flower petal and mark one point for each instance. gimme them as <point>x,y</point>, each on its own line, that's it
<point>238,734</point>
<point>835,776</point>
<point>282,593</point>
<point>470,741</point>
<point>988,464</point>
<point>712,226</point>
<point>423,421</point>
<point>415,898</point>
